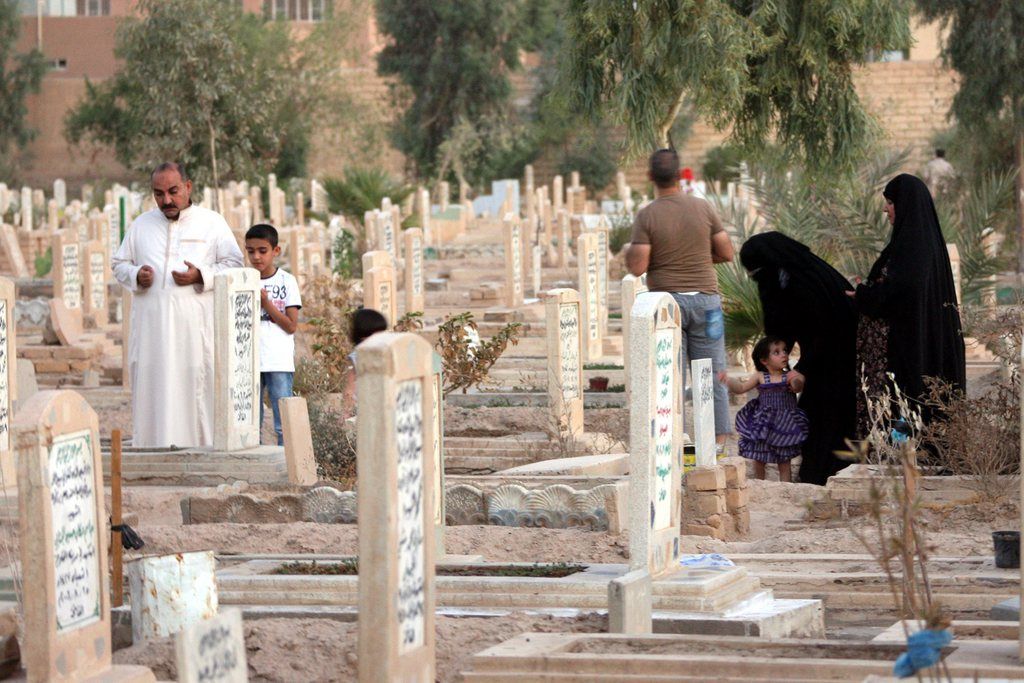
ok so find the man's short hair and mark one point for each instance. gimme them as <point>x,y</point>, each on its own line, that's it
<point>171,166</point>
<point>941,153</point>
<point>664,167</point>
<point>262,231</point>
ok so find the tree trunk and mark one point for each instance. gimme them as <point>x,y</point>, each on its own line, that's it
<point>665,127</point>
<point>213,162</point>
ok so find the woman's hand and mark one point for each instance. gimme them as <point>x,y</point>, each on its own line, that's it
<point>795,381</point>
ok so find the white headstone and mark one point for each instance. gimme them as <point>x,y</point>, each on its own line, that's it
<point>213,650</point>
<point>702,379</point>
<point>237,365</point>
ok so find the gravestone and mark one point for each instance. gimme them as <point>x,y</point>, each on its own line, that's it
<point>52,215</point>
<point>437,396</point>
<point>414,297</point>
<point>557,194</point>
<point>395,502</point>
<point>236,360</point>
<point>298,441</point>
<point>588,267</point>
<point>12,250</point>
<point>213,650</point>
<point>67,272</point>
<point>423,204</point>
<point>379,284</point>
<point>655,433</point>
<point>67,628</point>
<point>113,238</point>
<point>169,592</point>
<point>386,229</point>
<point>702,383</point>
<point>95,300</point>
<point>529,191</point>
<point>600,228</point>
<point>513,261</point>
<point>562,312</point>
<point>632,286</point>
<point>954,264</point>
<point>25,209</point>
<point>538,271</point>
<point>564,232</point>
<point>8,382</point>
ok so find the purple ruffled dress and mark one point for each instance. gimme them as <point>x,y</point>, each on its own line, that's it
<point>771,426</point>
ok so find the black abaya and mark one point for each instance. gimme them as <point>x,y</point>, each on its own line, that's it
<point>911,289</point>
<point>804,301</point>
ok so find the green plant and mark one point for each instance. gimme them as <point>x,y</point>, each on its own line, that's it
<point>593,159</point>
<point>44,263</point>
<point>465,358</point>
<point>621,231</point>
<point>347,263</point>
<point>722,163</point>
<point>602,366</point>
<point>329,302</point>
<point>362,190</point>
<point>410,322</point>
<point>20,76</point>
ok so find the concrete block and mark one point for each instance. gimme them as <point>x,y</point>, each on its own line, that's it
<point>629,603</point>
<point>1007,610</point>
<point>741,517</point>
<point>737,498</point>
<point>695,529</point>
<point>706,479</point>
<point>710,504</point>
<point>51,366</point>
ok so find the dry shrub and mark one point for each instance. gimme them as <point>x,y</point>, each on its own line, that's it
<point>329,301</point>
<point>334,443</point>
<point>978,437</point>
<point>465,362</point>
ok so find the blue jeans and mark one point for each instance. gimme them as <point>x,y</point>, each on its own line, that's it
<point>278,385</point>
<point>704,337</point>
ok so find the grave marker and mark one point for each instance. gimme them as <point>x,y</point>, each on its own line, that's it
<point>52,215</point>
<point>95,301</point>
<point>655,433</point>
<point>632,286</point>
<point>562,316</point>
<point>12,250</point>
<point>564,232</point>
<point>213,650</point>
<point>67,273</point>
<point>386,229</point>
<point>414,297</point>
<point>8,381</point>
<point>25,208</point>
<point>395,501</point>
<point>67,634</point>
<point>437,396</point>
<point>298,441</point>
<point>379,284</point>
<point>589,282</point>
<point>702,383</point>
<point>557,194</point>
<point>954,263</point>
<point>513,261</point>
<point>236,359</point>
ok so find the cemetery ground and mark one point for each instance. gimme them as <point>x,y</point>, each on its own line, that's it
<point>534,473</point>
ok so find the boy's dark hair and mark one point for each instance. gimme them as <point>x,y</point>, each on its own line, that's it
<point>940,153</point>
<point>664,168</point>
<point>763,348</point>
<point>262,231</point>
<point>366,322</point>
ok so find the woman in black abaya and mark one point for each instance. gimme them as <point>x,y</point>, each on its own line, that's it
<point>805,301</point>
<point>909,322</point>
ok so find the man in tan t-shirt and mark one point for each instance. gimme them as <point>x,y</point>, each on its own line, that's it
<point>676,240</point>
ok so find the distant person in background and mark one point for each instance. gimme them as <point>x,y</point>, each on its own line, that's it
<point>364,323</point>
<point>676,240</point>
<point>168,260</point>
<point>939,174</point>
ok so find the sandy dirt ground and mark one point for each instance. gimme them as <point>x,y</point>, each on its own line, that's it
<point>325,650</point>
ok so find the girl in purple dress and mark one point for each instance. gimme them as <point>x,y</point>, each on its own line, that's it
<point>771,426</point>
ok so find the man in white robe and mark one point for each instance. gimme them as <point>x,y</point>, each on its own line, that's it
<point>168,260</point>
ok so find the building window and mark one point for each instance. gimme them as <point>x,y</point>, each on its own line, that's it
<point>59,64</point>
<point>298,10</point>
<point>94,8</point>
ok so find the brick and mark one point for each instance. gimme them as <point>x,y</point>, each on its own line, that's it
<point>35,352</point>
<point>77,352</point>
<point>737,498</point>
<point>706,479</point>
<point>80,365</point>
<point>51,366</point>
<point>710,504</point>
<point>695,529</point>
<point>735,472</point>
<point>741,517</point>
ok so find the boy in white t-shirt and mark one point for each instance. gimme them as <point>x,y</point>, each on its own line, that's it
<point>279,318</point>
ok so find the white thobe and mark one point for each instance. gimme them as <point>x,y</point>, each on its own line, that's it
<point>170,352</point>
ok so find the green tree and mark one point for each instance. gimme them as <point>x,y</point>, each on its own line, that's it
<point>454,57</point>
<point>985,45</point>
<point>223,91</point>
<point>763,69</point>
<point>20,75</point>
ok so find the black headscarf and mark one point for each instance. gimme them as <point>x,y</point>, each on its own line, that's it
<point>804,301</point>
<point>911,288</point>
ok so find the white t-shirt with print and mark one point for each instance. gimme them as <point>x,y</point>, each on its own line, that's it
<point>277,347</point>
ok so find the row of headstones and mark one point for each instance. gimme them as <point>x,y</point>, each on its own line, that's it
<point>118,200</point>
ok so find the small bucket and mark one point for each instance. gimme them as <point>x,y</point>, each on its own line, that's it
<point>1007,545</point>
